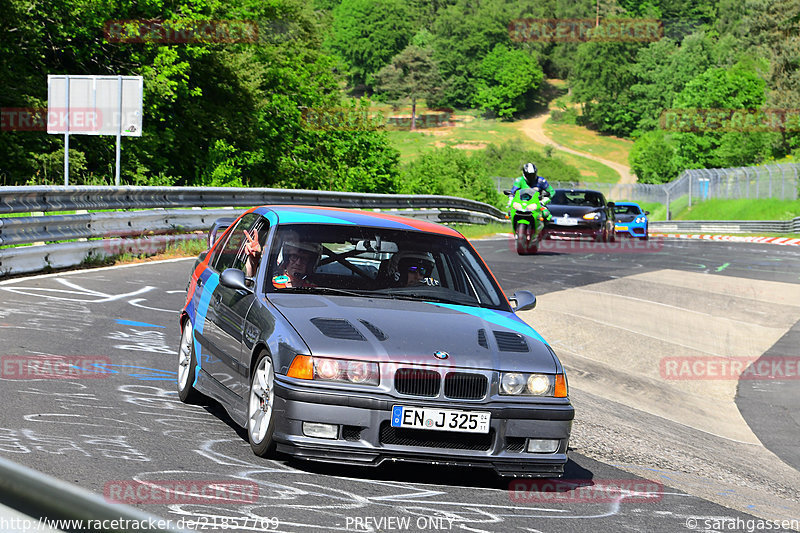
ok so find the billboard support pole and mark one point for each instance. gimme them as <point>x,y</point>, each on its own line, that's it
<point>119,132</point>
<point>66,138</point>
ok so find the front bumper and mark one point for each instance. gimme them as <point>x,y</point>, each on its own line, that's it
<point>631,229</point>
<point>366,437</point>
<point>588,229</point>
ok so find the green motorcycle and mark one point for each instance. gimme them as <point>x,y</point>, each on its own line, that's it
<point>528,213</point>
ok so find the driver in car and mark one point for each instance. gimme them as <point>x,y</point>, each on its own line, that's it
<point>297,261</point>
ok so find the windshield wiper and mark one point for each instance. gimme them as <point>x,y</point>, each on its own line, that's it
<point>330,290</point>
<point>427,297</point>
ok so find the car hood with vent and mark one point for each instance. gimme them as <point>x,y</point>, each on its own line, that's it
<point>627,218</point>
<point>403,331</point>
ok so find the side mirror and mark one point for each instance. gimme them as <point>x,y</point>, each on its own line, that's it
<point>523,300</point>
<point>233,278</point>
<point>647,212</point>
<point>611,205</point>
<point>507,192</point>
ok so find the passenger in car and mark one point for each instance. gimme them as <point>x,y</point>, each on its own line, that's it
<point>411,268</point>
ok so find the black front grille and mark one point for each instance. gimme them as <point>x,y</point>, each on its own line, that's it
<point>351,433</point>
<point>515,444</point>
<point>436,439</point>
<point>463,386</point>
<point>417,382</point>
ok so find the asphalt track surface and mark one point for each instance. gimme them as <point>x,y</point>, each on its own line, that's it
<point>126,427</point>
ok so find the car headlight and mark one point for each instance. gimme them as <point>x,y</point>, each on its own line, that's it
<point>338,370</point>
<point>591,216</point>
<point>512,383</point>
<point>538,384</point>
<point>518,384</point>
<point>640,220</point>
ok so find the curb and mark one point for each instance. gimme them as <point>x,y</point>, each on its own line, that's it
<point>731,238</point>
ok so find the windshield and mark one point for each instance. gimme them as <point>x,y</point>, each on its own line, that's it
<point>579,198</point>
<point>626,210</point>
<point>379,262</point>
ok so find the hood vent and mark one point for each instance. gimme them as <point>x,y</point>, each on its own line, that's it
<point>509,341</point>
<point>482,338</point>
<point>338,328</point>
<point>380,335</point>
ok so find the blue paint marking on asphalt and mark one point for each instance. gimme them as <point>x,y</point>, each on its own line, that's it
<point>139,324</point>
<point>501,318</point>
<point>202,308</point>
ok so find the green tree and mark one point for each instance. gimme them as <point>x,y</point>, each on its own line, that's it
<point>508,78</point>
<point>412,74</point>
<point>602,82</point>
<point>449,171</point>
<point>366,34</point>
<point>739,87</point>
<point>653,158</point>
<point>464,33</point>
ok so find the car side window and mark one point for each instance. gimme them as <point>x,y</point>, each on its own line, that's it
<point>231,254</point>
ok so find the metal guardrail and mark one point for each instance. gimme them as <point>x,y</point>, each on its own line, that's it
<point>40,496</point>
<point>153,217</point>
<point>728,226</point>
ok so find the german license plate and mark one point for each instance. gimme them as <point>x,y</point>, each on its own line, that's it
<point>566,221</point>
<point>440,419</point>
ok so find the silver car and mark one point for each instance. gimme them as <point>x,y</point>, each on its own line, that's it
<point>358,337</point>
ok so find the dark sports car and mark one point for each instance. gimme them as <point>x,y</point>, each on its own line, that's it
<point>358,337</point>
<point>581,213</point>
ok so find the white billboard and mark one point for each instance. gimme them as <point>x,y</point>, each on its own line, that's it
<point>94,105</point>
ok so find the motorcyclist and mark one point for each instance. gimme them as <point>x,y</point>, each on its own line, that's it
<point>531,179</point>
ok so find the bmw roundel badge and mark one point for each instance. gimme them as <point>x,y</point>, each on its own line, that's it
<point>441,355</point>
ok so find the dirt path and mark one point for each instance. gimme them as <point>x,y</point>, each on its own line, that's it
<point>534,128</point>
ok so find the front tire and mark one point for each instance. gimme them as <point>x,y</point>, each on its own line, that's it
<point>521,239</point>
<point>260,412</point>
<point>187,363</point>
